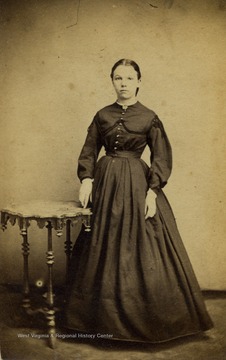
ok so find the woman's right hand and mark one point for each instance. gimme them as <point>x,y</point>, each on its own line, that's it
<point>85,192</point>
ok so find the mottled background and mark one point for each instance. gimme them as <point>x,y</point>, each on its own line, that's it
<point>56,58</point>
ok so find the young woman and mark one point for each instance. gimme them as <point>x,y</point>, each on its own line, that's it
<point>131,278</point>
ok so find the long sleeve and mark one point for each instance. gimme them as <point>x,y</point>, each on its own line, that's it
<point>161,155</point>
<point>90,151</point>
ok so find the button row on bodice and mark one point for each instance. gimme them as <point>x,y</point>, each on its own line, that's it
<point>119,131</point>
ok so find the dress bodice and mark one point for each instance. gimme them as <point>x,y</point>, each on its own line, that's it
<point>132,129</point>
<point>124,129</point>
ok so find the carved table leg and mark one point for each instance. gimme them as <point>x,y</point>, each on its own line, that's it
<point>68,248</point>
<point>25,251</point>
<point>3,222</point>
<point>50,313</point>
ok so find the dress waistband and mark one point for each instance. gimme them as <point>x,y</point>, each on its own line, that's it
<point>123,153</point>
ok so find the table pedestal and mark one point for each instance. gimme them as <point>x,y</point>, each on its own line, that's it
<point>52,215</point>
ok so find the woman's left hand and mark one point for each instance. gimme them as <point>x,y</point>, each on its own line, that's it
<point>150,204</point>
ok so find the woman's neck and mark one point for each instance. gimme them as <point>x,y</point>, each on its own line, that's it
<point>127,102</point>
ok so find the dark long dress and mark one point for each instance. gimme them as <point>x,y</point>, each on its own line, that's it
<point>131,277</point>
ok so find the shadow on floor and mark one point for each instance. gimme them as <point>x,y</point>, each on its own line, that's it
<point>24,338</point>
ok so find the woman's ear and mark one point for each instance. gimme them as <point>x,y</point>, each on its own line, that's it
<point>139,81</point>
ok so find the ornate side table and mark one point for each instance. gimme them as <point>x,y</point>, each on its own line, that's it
<point>52,215</point>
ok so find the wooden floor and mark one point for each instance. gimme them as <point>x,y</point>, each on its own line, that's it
<point>23,339</point>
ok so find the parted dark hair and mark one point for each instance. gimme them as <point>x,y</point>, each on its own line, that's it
<point>126,62</point>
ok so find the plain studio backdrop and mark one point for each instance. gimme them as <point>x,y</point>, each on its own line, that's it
<point>56,58</point>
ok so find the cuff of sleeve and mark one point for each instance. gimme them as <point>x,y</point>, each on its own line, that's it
<point>84,178</point>
<point>155,189</point>
<point>156,183</point>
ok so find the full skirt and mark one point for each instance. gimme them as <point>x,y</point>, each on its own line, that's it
<point>131,277</point>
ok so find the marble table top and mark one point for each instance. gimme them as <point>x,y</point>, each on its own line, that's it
<point>47,209</point>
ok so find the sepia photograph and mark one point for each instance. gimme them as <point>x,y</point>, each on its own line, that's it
<point>113,172</point>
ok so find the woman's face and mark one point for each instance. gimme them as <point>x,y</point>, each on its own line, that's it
<point>125,82</point>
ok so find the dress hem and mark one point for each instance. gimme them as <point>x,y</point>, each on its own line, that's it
<point>145,341</point>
